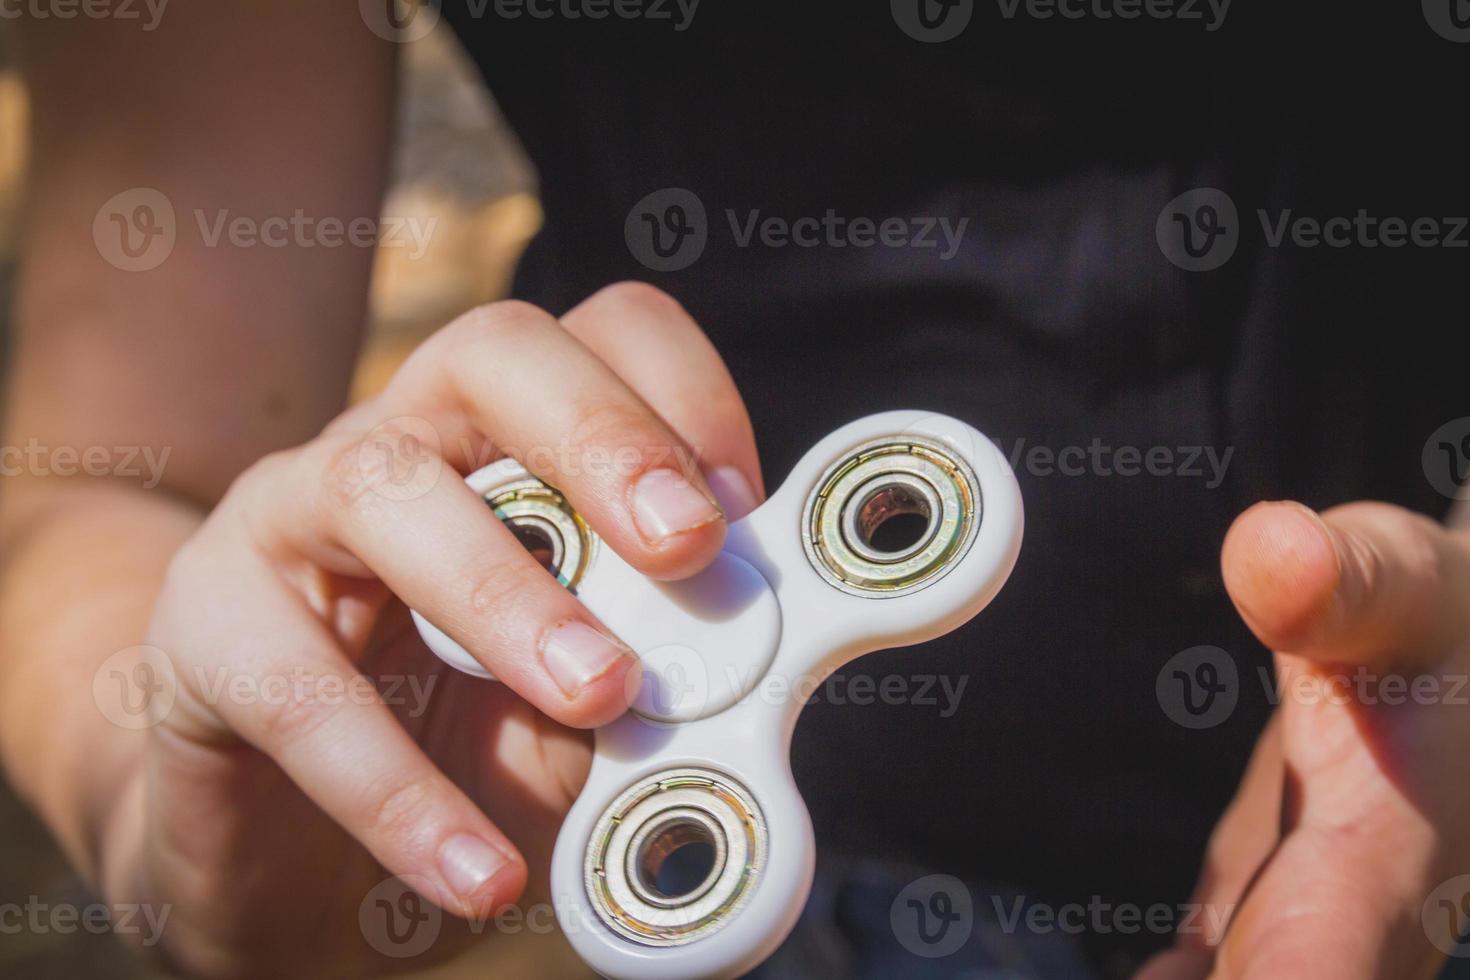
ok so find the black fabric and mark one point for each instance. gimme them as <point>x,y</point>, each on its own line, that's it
<point>1058,322</point>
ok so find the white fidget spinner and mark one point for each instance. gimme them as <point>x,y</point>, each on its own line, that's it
<point>689,852</point>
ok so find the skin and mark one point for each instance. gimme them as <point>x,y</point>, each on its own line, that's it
<point>271,545</point>
<point>1353,809</point>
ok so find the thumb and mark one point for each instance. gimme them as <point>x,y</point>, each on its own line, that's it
<point>1358,584</point>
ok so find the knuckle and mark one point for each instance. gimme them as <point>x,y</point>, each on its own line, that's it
<point>361,471</point>
<point>345,479</point>
<point>289,721</point>
<point>494,324</point>
<point>615,425</point>
<point>500,591</point>
<point>400,808</point>
<point>259,478</point>
<point>636,296</point>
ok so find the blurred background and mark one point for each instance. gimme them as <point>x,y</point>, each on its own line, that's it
<point>457,164</point>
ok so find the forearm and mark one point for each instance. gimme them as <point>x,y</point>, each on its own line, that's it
<point>82,564</point>
<point>220,354</point>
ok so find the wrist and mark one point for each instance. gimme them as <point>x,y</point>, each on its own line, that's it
<point>79,580</point>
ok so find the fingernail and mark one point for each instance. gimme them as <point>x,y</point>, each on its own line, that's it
<point>732,490</point>
<point>468,862</point>
<point>665,503</point>
<point>576,655</point>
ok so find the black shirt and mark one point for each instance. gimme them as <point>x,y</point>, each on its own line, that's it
<point>1058,321</point>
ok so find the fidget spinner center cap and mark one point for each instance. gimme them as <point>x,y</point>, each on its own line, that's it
<point>704,642</point>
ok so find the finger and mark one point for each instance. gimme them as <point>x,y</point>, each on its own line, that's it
<point>1179,963</point>
<point>1243,840</point>
<point>1363,583</point>
<point>510,372</point>
<point>443,553</point>
<point>1239,847</point>
<point>1330,907</point>
<point>328,729</point>
<point>644,335</point>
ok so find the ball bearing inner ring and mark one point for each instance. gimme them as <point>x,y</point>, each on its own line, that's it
<point>548,527</point>
<point>662,837</point>
<point>934,490</point>
<point>882,499</point>
<point>650,821</point>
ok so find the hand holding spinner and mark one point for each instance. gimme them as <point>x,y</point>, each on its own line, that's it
<point>894,529</point>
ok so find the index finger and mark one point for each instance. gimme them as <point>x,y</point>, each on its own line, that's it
<point>509,380</point>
